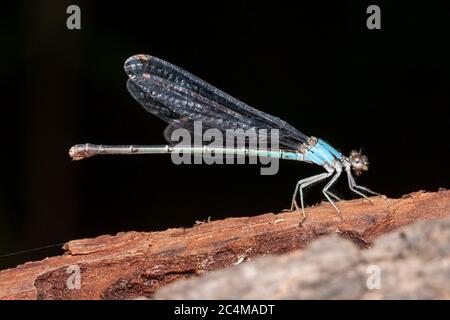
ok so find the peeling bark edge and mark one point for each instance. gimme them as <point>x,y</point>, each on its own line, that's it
<point>133,264</point>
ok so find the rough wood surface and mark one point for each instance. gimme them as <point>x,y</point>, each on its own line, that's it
<point>412,262</point>
<point>135,264</point>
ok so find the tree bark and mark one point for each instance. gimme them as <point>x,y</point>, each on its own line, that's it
<point>136,264</point>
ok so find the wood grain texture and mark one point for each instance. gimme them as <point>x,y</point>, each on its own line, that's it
<point>135,264</point>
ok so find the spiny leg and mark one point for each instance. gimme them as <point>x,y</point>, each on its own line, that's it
<point>365,189</point>
<point>300,182</point>
<point>318,178</point>
<point>334,196</point>
<point>361,187</point>
<point>306,182</point>
<point>328,185</point>
<point>352,184</point>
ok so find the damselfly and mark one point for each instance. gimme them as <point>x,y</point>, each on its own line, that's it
<point>181,99</point>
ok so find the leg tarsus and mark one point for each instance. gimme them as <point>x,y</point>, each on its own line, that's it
<point>361,194</point>
<point>302,184</point>
<point>334,196</point>
<point>366,190</point>
<point>352,185</point>
<point>299,183</point>
<point>328,185</point>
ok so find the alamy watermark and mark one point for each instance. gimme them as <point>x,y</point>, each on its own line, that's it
<point>74,279</point>
<point>374,20</point>
<point>212,146</point>
<point>73,21</point>
<point>374,279</point>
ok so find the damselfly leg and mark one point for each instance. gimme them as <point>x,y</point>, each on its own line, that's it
<point>328,185</point>
<point>353,186</point>
<point>304,183</point>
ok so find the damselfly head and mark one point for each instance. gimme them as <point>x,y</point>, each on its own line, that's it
<point>359,162</point>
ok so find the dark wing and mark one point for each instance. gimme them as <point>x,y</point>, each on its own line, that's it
<point>180,98</point>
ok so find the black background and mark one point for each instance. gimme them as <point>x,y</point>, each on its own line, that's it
<point>316,66</point>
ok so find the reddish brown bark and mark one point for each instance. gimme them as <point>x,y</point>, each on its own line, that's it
<point>135,264</point>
